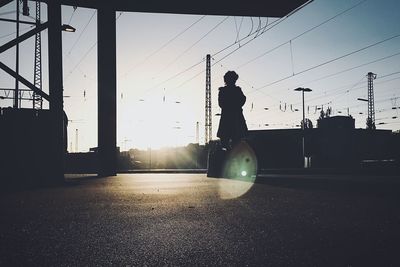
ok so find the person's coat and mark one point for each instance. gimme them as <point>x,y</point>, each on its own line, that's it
<point>232,123</point>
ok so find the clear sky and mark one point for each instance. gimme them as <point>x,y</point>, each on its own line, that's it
<point>328,46</point>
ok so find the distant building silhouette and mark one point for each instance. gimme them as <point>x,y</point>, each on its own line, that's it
<point>335,145</point>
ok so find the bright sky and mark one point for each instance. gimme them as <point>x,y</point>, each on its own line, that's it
<point>328,46</point>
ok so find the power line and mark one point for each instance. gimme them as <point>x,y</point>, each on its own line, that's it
<point>240,27</point>
<point>301,34</point>
<point>236,27</point>
<point>13,33</point>
<point>288,121</point>
<point>119,15</point>
<point>230,53</point>
<point>190,47</point>
<point>8,12</point>
<point>72,14</point>
<point>257,35</point>
<point>80,61</point>
<point>336,73</point>
<point>164,45</point>
<point>327,62</point>
<point>352,68</point>
<point>263,30</point>
<point>348,90</point>
<point>353,88</point>
<point>80,35</point>
<point>87,52</point>
<point>382,100</point>
<point>176,75</point>
<point>338,93</point>
<point>329,102</point>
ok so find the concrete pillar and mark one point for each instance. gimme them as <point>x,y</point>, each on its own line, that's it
<point>56,88</point>
<point>107,92</point>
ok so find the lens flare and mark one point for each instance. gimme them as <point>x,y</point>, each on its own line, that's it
<point>240,169</point>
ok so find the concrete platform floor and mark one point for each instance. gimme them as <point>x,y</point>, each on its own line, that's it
<point>191,220</point>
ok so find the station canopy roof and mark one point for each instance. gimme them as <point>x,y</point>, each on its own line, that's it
<point>254,8</point>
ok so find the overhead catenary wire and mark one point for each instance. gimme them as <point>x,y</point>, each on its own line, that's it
<point>337,73</point>
<point>352,88</point>
<point>347,90</point>
<point>351,107</point>
<point>352,68</point>
<point>338,94</point>
<point>289,121</point>
<point>83,30</point>
<point>327,62</point>
<point>80,61</point>
<point>242,32</point>
<point>301,34</point>
<point>263,30</point>
<point>8,12</point>
<point>347,107</point>
<point>272,25</point>
<point>72,14</point>
<point>192,45</point>
<point>13,33</point>
<point>189,68</point>
<point>230,53</point>
<point>236,27</point>
<point>119,15</point>
<point>163,46</point>
<point>85,55</point>
<point>240,27</point>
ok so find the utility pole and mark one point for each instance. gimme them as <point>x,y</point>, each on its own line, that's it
<point>303,122</point>
<point>37,75</point>
<point>208,117</point>
<point>16,92</point>
<point>371,103</point>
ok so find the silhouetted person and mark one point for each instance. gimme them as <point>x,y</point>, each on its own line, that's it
<point>232,125</point>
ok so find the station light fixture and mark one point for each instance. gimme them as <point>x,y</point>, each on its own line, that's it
<point>67,28</point>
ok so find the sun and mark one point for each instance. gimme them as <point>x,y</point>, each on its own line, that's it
<point>154,124</point>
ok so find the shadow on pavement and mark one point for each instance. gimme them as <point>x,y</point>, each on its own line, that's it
<point>347,185</point>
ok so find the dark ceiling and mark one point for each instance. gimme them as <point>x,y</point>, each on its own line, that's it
<point>255,8</point>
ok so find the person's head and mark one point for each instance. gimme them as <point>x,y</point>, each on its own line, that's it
<point>230,78</point>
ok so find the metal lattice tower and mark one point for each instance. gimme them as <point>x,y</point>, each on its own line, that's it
<point>37,99</point>
<point>371,103</point>
<point>208,123</point>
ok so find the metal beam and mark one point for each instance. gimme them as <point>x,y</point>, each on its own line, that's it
<point>24,81</point>
<point>10,89</point>
<point>21,21</point>
<point>107,92</point>
<point>4,2</point>
<point>24,36</point>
